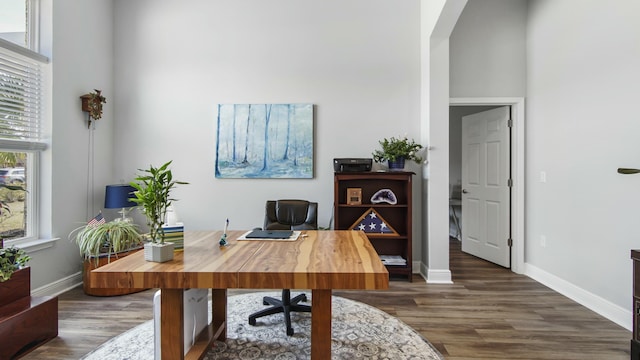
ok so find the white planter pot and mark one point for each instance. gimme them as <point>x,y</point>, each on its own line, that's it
<point>158,252</point>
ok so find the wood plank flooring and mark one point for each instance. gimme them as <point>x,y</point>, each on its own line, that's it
<point>488,313</point>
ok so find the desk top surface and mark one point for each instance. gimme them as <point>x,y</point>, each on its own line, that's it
<point>342,259</point>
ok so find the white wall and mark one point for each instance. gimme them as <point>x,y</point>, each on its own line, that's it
<point>77,37</point>
<point>358,61</point>
<point>583,83</point>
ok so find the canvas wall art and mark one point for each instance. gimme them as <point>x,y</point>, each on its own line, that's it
<point>264,141</point>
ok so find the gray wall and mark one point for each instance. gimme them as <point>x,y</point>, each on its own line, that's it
<point>358,61</point>
<point>488,49</point>
<point>583,81</point>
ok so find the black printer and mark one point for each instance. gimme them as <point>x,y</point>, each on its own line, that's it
<point>352,165</point>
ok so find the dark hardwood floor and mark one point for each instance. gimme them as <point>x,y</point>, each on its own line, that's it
<point>488,313</point>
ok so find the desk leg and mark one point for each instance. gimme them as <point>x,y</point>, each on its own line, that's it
<point>320,324</point>
<point>172,324</point>
<point>219,313</point>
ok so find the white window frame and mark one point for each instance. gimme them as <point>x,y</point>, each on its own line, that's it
<point>33,148</point>
<point>33,26</point>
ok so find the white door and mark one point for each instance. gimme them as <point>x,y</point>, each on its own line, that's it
<point>485,185</point>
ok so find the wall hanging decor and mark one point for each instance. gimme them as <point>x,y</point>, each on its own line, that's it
<point>92,104</point>
<point>264,141</point>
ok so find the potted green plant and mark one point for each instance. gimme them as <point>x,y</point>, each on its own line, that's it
<point>110,239</point>
<point>396,150</point>
<point>11,260</point>
<point>99,244</point>
<point>153,193</point>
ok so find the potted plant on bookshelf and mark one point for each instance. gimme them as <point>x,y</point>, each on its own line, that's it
<point>153,193</point>
<point>12,259</point>
<point>101,243</point>
<point>396,150</point>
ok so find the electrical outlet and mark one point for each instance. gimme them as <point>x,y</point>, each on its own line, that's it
<point>543,176</point>
<point>543,241</point>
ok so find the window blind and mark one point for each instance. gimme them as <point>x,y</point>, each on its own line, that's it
<point>21,93</point>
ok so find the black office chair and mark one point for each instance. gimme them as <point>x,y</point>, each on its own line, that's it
<point>287,215</point>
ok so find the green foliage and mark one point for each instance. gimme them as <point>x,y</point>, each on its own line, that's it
<point>11,259</point>
<point>8,194</point>
<point>108,238</point>
<point>153,189</point>
<point>394,148</point>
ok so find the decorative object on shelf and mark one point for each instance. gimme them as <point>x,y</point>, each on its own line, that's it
<point>11,260</point>
<point>354,196</point>
<point>153,193</point>
<point>384,196</point>
<point>396,150</point>
<point>263,141</point>
<point>92,104</point>
<point>119,197</point>
<point>372,223</point>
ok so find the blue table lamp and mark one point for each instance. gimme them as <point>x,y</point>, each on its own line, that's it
<point>117,197</point>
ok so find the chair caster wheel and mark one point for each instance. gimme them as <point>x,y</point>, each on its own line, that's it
<point>252,322</point>
<point>289,332</point>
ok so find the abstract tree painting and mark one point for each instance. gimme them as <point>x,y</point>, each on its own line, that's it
<point>264,141</point>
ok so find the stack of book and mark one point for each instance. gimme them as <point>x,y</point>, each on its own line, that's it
<point>174,234</point>
<point>393,260</point>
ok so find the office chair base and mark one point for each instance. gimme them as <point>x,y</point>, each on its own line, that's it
<point>286,306</point>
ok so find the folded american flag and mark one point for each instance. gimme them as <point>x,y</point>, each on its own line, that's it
<point>372,223</point>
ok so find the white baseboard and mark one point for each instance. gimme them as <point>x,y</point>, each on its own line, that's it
<point>609,310</point>
<point>435,276</point>
<point>58,287</point>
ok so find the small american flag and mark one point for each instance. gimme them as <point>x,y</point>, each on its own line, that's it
<point>97,220</point>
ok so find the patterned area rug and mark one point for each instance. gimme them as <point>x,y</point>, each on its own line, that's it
<point>359,331</point>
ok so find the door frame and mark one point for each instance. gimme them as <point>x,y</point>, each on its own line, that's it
<point>517,168</point>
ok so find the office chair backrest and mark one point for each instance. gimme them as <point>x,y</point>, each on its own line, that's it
<point>291,214</point>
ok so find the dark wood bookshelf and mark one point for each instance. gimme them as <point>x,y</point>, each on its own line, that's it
<point>398,216</point>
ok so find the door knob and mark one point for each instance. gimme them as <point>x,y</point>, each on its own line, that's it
<point>464,191</point>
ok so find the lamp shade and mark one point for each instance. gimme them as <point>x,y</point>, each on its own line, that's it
<point>117,196</point>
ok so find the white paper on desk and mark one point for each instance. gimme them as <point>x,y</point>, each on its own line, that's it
<point>294,236</point>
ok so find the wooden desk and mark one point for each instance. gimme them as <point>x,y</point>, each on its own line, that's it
<point>321,261</point>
